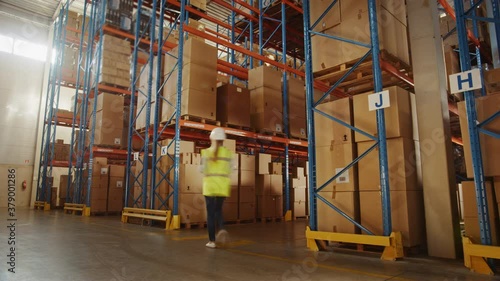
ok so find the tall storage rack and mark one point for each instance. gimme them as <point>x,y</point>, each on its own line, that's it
<point>475,254</point>
<point>87,87</point>
<point>391,241</point>
<point>46,164</point>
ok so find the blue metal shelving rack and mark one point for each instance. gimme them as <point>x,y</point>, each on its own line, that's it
<point>155,127</point>
<point>43,193</point>
<point>475,128</point>
<point>373,50</point>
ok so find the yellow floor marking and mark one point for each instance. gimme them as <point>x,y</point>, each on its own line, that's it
<point>334,268</point>
<point>187,238</point>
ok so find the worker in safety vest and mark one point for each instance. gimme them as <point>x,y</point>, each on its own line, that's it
<point>217,167</point>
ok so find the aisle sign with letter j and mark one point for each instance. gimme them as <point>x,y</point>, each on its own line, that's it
<point>379,100</point>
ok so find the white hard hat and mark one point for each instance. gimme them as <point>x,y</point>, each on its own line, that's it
<point>218,134</point>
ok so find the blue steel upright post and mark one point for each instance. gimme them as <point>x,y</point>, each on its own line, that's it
<point>311,137</point>
<point>383,163</point>
<point>470,105</point>
<point>286,122</point>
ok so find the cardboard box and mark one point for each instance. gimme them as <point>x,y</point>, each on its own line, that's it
<point>194,76</point>
<point>230,211</point>
<point>269,206</point>
<point>247,211</point>
<point>99,193</point>
<point>331,221</point>
<point>116,171</point>
<point>247,162</point>
<point>117,182</point>
<point>115,205</point>
<point>185,158</point>
<point>263,184</point>
<point>297,127</point>
<point>98,205</point>
<point>63,186</point>
<point>354,25</point>
<point>490,146</point>
<point>262,163</point>
<point>266,100</point>
<point>298,172</point>
<point>407,211</point>
<point>264,76</point>
<point>192,207</point>
<point>190,179</point>
<point>198,52</point>
<point>402,168</point>
<point>330,161</point>
<point>196,103</point>
<point>496,184</point>
<point>300,209</point>
<point>276,184</point>
<point>329,132</point>
<point>268,121</point>
<point>492,80</point>
<point>234,195</point>
<point>470,202</point>
<point>398,118</point>
<point>196,158</point>
<point>247,194</point>
<point>275,168</point>
<point>246,178</point>
<point>474,233</point>
<point>299,194</point>
<point>331,19</point>
<point>110,102</point>
<point>233,105</point>
<point>299,183</point>
<point>231,145</point>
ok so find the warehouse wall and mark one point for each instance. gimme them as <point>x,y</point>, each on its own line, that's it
<point>21,81</point>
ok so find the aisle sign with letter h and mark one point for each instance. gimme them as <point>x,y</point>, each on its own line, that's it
<point>465,81</point>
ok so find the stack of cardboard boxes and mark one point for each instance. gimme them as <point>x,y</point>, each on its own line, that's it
<point>116,188</point>
<point>405,192</point>
<point>335,150</point>
<point>109,120</point>
<point>297,107</point>
<point>233,105</point>
<point>246,187</point>
<point>63,188</point>
<point>143,92</point>
<point>471,216</point>
<point>349,19</point>
<point>268,187</point>
<point>199,80</point>
<point>486,107</point>
<point>99,187</point>
<point>299,193</point>
<point>61,151</point>
<point>490,146</point>
<point>266,101</point>
<point>115,63</point>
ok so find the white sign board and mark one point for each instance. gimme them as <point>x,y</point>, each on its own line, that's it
<point>465,81</point>
<point>136,156</point>
<point>379,100</point>
<point>344,177</point>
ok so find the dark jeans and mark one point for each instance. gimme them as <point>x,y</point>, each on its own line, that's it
<point>214,215</point>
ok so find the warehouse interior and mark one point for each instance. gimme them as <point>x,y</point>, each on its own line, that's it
<point>363,139</point>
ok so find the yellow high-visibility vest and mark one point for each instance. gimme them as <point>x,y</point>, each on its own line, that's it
<point>216,180</point>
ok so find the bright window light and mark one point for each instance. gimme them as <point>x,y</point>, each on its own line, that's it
<point>6,44</point>
<point>30,50</point>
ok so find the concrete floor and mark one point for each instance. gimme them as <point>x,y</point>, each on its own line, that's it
<point>54,246</point>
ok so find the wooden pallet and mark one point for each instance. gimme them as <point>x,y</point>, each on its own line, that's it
<point>361,79</point>
<point>70,208</point>
<point>192,225</point>
<point>271,133</point>
<point>127,88</point>
<point>270,219</point>
<point>39,205</point>
<point>238,221</point>
<point>196,119</point>
<point>300,138</point>
<point>238,127</point>
<point>101,214</point>
<point>301,218</point>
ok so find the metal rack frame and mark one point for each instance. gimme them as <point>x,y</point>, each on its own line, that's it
<point>373,49</point>
<point>474,128</point>
<point>46,164</point>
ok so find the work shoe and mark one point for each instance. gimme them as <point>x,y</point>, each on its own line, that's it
<point>211,244</point>
<point>221,236</point>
